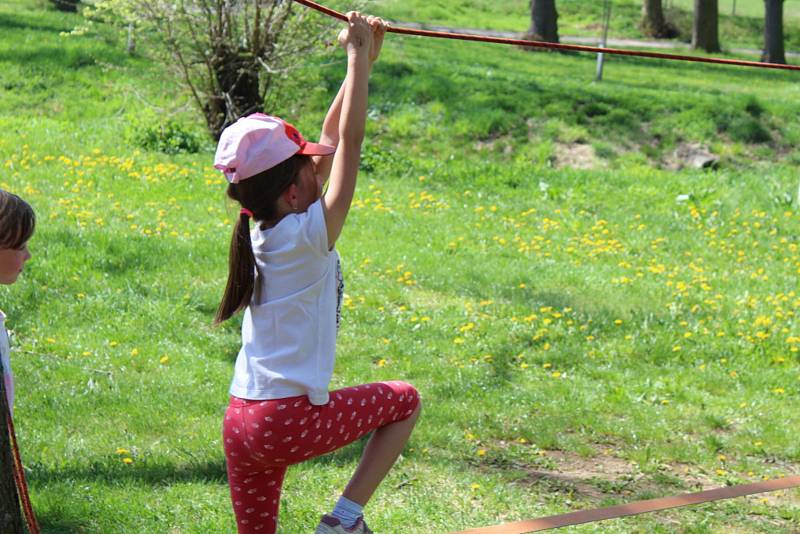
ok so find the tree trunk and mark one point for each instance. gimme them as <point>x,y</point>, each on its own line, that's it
<point>544,21</point>
<point>131,46</point>
<point>239,93</point>
<point>773,32</point>
<point>10,514</point>
<point>653,22</point>
<point>705,30</point>
<point>70,6</point>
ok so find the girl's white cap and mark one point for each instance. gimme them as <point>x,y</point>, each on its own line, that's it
<point>258,142</point>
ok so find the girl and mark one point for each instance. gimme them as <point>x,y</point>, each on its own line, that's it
<point>286,275</point>
<point>17,222</point>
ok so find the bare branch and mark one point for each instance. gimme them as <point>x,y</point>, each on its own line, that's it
<point>229,53</point>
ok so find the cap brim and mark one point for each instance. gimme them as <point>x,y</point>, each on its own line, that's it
<point>317,149</point>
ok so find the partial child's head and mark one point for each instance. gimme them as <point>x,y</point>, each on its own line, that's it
<point>269,167</point>
<point>266,160</point>
<point>17,222</point>
<point>291,185</point>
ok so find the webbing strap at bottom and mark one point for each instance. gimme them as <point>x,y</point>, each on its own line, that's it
<point>635,508</point>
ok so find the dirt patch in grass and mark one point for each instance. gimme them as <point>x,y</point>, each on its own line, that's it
<point>575,156</point>
<point>594,478</point>
<point>691,156</point>
<point>606,476</point>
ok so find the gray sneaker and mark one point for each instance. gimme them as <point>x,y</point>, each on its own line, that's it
<point>330,525</point>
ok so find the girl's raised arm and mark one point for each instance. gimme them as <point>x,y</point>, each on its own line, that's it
<point>357,41</point>
<point>330,126</point>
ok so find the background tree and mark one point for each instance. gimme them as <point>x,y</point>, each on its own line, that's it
<point>229,53</point>
<point>705,29</point>
<point>66,5</point>
<point>653,22</point>
<point>773,32</point>
<point>544,21</point>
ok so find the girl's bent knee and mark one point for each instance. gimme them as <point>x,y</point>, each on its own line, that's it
<point>414,402</point>
<point>417,410</point>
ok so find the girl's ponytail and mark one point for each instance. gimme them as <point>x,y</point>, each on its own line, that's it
<point>258,196</point>
<point>241,271</point>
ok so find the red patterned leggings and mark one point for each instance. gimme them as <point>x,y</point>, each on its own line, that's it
<point>262,438</point>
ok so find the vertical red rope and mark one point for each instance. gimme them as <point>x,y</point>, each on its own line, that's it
<point>19,475</point>
<point>17,469</point>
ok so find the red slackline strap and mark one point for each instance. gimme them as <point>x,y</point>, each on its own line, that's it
<point>557,46</point>
<point>19,477</point>
<point>635,508</point>
<point>17,469</point>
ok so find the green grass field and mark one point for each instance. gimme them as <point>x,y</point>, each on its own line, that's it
<point>588,324</point>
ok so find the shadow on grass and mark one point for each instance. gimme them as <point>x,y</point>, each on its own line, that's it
<point>17,22</point>
<point>701,70</point>
<point>165,472</point>
<point>114,472</point>
<point>69,58</point>
<point>55,523</point>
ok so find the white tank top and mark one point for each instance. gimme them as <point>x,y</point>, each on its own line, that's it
<point>5,356</point>
<point>289,328</point>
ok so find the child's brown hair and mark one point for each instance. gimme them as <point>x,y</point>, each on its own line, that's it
<point>17,221</point>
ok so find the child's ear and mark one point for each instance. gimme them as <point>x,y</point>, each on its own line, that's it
<point>290,195</point>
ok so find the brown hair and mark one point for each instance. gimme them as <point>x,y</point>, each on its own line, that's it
<point>259,194</point>
<point>17,221</point>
